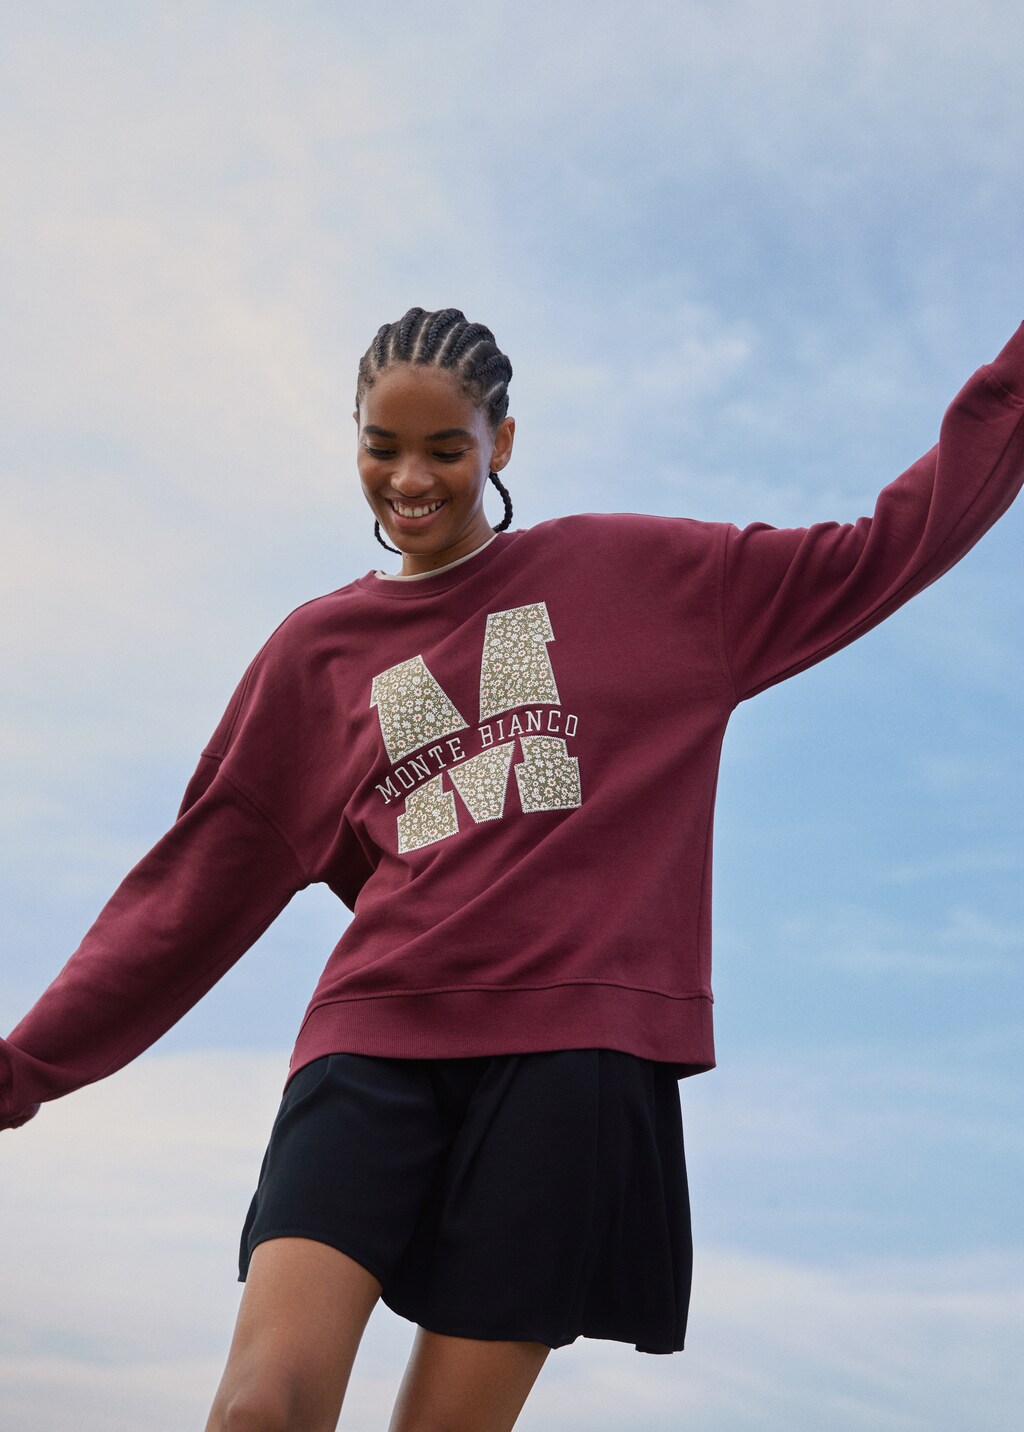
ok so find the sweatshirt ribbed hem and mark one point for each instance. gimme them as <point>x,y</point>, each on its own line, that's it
<point>467,1023</point>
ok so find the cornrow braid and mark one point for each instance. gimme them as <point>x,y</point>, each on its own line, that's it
<point>386,545</point>
<point>379,347</point>
<point>506,521</point>
<point>408,330</point>
<point>443,339</point>
<point>444,323</point>
<point>471,336</point>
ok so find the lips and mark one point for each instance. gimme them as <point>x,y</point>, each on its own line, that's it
<point>407,510</point>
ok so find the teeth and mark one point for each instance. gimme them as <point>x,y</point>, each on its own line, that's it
<point>415,511</point>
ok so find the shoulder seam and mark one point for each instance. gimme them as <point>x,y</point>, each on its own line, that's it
<point>269,820</point>
<point>999,387</point>
<point>723,650</point>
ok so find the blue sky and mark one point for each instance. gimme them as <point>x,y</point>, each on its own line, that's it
<point>742,256</point>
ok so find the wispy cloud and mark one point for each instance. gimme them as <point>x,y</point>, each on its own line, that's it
<point>999,859</point>
<point>741,257</point>
<point>866,940</point>
<point>122,1206</point>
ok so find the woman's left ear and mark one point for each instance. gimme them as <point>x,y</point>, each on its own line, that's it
<point>504,437</point>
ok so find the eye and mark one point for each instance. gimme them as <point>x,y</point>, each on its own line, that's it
<point>450,456</point>
<point>379,452</point>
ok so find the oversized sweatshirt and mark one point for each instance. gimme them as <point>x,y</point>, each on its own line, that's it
<point>506,771</point>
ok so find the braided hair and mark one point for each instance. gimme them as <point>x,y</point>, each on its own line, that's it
<point>446,339</point>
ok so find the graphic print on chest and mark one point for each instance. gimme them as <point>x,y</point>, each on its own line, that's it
<point>417,715</point>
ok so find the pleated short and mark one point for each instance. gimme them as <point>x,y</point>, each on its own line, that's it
<point>538,1197</point>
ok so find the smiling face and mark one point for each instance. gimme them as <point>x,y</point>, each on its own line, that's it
<point>425,450</point>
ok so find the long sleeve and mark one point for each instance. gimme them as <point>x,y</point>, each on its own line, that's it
<point>793,596</point>
<point>190,908</point>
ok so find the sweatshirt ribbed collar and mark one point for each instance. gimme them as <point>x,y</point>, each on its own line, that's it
<point>437,582</point>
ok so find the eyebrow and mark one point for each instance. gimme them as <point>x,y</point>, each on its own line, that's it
<point>431,437</point>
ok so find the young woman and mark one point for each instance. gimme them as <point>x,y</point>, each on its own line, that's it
<point>503,760</point>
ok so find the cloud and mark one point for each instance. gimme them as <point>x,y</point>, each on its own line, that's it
<point>870,941</point>
<point>191,275</point>
<point>170,267</point>
<point>733,220</point>
<point>998,859</point>
<point>181,274</point>
<point>121,1212</point>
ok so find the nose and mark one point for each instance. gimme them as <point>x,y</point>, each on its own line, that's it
<point>411,478</point>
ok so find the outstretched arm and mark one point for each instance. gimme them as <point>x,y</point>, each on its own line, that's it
<point>190,908</point>
<point>791,597</point>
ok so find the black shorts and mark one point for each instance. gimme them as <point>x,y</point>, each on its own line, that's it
<point>536,1197</point>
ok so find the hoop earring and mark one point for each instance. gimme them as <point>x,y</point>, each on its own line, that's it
<point>506,520</point>
<point>380,539</point>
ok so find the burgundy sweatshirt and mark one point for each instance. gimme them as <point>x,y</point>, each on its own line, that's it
<point>507,772</point>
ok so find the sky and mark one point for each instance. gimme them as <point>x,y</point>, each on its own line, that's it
<point>741,256</point>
